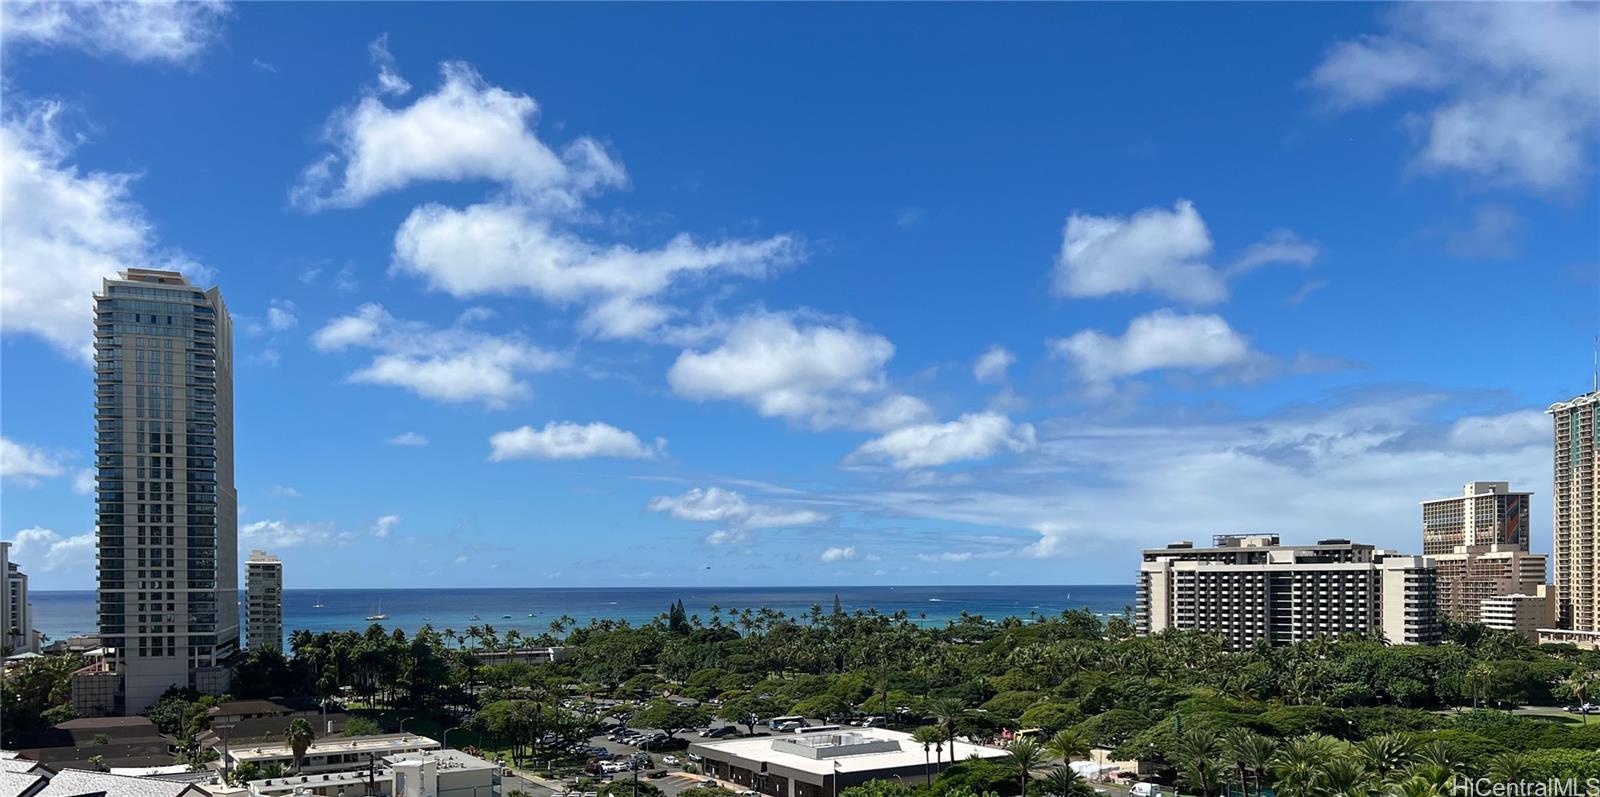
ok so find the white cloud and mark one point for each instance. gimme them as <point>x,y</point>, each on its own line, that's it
<point>972,436</point>
<point>784,367</point>
<point>1159,251</point>
<point>408,439</point>
<point>1162,339</point>
<point>465,130</point>
<point>1502,432</point>
<point>1280,246</point>
<point>991,366</point>
<point>1511,86</point>
<point>567,440</point>
<point>507,247</point>
<point>389,79</point>
<point>729,509</point>
<point>452,365</point>
<point>385,524</point>
<point>83,482</point>
<point>1096,490</point>
<point>271,534</point>
<point>280,315</point>
<point>62,232</point>
<point>39,549</point>
<point>25,464</point>
<point>838,554</point>
<point>283,491</point>
<point>1492,234</point>
<point>148,30</point>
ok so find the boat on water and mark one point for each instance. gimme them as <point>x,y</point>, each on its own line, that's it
<point>318,604</point>
<point>505,617</point>
<point>377,614</point>
<point>474,617</point>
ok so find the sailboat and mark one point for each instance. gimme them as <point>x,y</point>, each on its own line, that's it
<point>378,614</point>
<point>318,604</point>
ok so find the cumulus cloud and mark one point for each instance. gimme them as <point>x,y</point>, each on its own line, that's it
<point>147,30</point>
<point>510,247</point>
<point>407,439</point>
<point>1512,94</point>
<point>731,510</point>
<point>785,367</point>
<point>991,366</point>
<point>283,491</point>
<point>451,365</point>
<point>972,436</point>
<point>280,315</point>
<point>1159,251</point>
<point>567,440</point>
<point>838,554</point>
<point>291,534</point>
<point>63,231</point>
<point>465,130</point>
<point>40,549</point>
<point>385,524</point>
<point>83,482</point>
<point>23,464</point>
<point>1163,339</point>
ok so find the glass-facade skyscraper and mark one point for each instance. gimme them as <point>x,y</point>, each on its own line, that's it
<point>167,512</point>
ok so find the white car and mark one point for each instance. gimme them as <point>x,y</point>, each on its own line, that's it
<point>671,760</point>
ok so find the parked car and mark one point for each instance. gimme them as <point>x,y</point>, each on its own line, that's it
<point>718,733</point>
<point>671,760</point>
<point>1143,789</point>
<point>709,783</point>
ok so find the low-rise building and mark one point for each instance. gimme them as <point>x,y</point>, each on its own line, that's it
<point>522,656</point>
<point>331,754</point>
<point>818,763</point>
<point>1520,613</point>
<point>1249,588</point>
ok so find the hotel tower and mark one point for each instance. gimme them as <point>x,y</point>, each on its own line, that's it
<point>167,539</point>
<point>1577,547</point>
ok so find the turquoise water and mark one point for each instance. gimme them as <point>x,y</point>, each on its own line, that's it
<point>62,614</point>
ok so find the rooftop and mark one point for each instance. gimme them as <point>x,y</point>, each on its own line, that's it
<point>855,750</point>
<point>81,783</point>
<point>379,744</point>
<point>446,760</point>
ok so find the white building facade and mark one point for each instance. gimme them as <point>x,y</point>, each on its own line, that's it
<point>263,585</point>
<point>1249,587</point>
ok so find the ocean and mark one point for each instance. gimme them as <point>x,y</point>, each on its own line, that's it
<point>529,610</point>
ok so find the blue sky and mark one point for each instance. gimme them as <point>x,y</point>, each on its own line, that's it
<point>560,295</point>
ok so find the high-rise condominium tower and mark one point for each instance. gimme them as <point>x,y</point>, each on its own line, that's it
<point>167,511</point>
<point>1577,485</point>
<point>263,589</point>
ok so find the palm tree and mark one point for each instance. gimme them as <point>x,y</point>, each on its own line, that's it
<point>928,736</point>
<point>1197,751</point>
<point>1413,787</point>
<point>1066,745</point>
<point>1577,685</point>
<point>1510,767</point>
<point>299,736</point>
<point>1384,755</point>
<point>1066,782</point>
<point>1025,755</point>
<point>948,710</point>
<point>1251,753</point>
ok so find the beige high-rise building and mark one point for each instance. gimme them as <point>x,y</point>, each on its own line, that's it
<point>263,589</point>
<point>1577,485</point>
<point>1470,574</point>
<point>1520,613</point>
<point>16,613</point>
<point>1248,587</point>
<point>1486,513</point>
<point>167,538</point>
